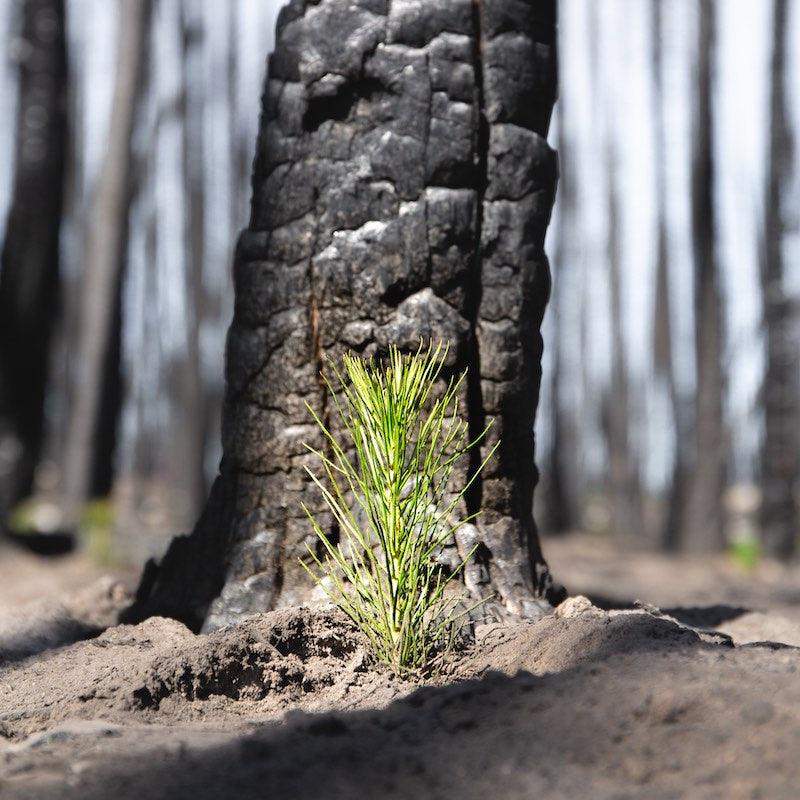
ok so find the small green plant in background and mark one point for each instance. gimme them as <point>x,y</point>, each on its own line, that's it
<point>745,550</point>
<point>97,530</point>
<point>391,503</point>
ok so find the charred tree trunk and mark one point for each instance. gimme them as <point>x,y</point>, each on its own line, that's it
<point>191,380</point>
<point>29,271</point>
<point>780,456</point>
<point>93,413</point>
<point>703,528</point>
<point>626,518</point>
<point>402,189</point>
<point>663,357</point>
<point>558,516</point>
<point>669,534</point>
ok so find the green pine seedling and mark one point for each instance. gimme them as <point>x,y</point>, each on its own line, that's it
<point>391,504</point>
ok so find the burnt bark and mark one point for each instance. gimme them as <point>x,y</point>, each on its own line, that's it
<point>780,454</point>
<point>402,189</point>
<point>29,274</point>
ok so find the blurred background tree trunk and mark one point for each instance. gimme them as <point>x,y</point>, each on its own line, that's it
<point>780,456</point>
<point>625,493</point>
<point>557,516</point>
<point>559,461</point>
<point>192,398</point>
<point>668,535</point>
<point>96,399</point>
<point>29,273</point>
<point>160,481</point>
<point>702,529</point>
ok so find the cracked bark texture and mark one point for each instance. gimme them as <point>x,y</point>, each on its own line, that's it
<point>402,189</point>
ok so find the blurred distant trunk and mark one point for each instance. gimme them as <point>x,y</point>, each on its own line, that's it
<point>626,516</point>
<point>663,366</point>
<point>780,461</point>
<point>29,274</point>
<point>557,516</point>
<point>559,471</point>
<point>159,481</point>
<point>668,536</point>
<point>195,412</point>
<point>702,530</point>
<point>98,333</point>
<point>241,145</point>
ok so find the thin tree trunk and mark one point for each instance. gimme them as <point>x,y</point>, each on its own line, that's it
<point>558,511</point>
<point>29,273</point>
<point>240,146</point>
<point>561,464</point>
<point>192,396</point>
<point>402,189</point>
<point>104,260</point>
<point>626,517</point>
<point>663,356</point>
<point>669,536</point>
<point>780,455</point>
<point>703,526</point>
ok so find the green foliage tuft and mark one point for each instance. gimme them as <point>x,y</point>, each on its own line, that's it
<point>97,530</point>
<point>391,503</point>
<point>745,551</point>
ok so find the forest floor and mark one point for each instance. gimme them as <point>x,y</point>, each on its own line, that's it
<point>691,692</point>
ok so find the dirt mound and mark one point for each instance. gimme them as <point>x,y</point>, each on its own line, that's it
<point>578,633</point>
<point>584,703</point>
<point>158,669</point>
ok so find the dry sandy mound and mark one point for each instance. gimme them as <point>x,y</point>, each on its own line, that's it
<point>606,705</point>
<point>297,657</point>
<point>160,670</point>
<point>578,633</point>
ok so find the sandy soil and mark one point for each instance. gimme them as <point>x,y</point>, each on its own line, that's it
<point>614,572</point>
<point>699,698</point>
<point>47,602</point>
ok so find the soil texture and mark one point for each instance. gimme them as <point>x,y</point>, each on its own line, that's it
<point>694,700</point>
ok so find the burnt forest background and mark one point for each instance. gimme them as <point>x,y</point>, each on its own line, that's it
<point>670,410</point>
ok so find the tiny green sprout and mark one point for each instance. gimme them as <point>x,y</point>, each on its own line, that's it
<point>386,485</point>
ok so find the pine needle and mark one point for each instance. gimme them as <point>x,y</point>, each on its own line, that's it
<point>391,502</point>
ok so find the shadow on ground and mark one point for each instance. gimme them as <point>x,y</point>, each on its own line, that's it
<point>40,635</point>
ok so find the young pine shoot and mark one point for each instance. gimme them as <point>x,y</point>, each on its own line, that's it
<point>386,486</point>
